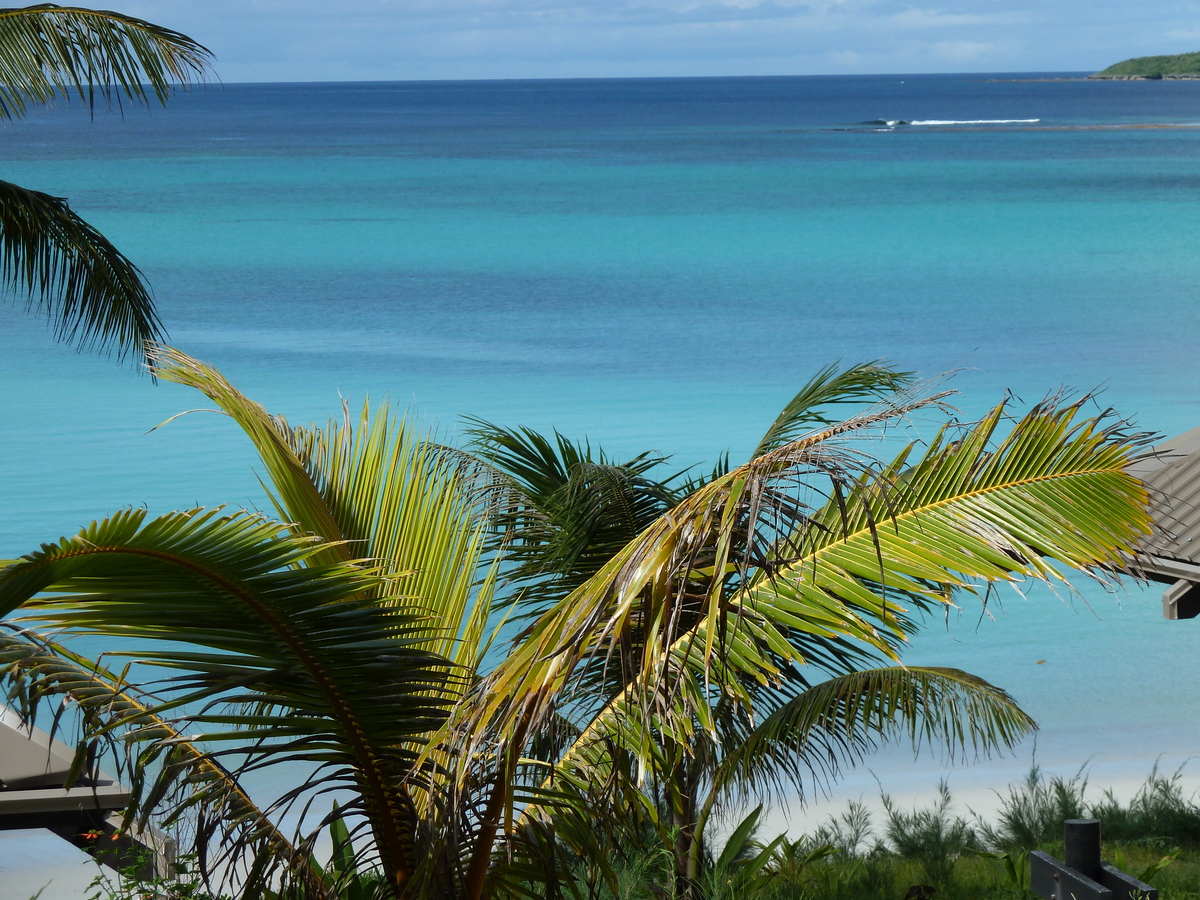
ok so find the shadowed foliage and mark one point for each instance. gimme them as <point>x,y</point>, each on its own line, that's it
<point>91,293</point>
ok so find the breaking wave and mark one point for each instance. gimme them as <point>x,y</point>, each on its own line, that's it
<point>973,121</point>
<point>892,123</point>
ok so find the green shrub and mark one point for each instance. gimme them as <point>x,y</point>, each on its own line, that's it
<point>1159,814</point>
<point>1034,810</point>
<point>933,836</point>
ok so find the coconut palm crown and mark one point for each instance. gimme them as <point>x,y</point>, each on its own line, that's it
<point>796,700</point>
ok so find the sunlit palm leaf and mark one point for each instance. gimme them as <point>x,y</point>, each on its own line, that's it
<point>639,587</point>
<point>390,494</point>
<point>968,512</point>
<point>294,490</point>
<point>653,613</point>
<point>92,294</point>
<point>404,502</point>
<point>48,51</point>
<point>383,491</point>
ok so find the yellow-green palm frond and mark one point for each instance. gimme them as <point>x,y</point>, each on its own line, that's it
<point>974,508</point>
<point>397,494</point>
<point>293,489</point>
<point>384,491</point>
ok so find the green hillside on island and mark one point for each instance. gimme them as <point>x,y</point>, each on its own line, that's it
<point>1181,65</point>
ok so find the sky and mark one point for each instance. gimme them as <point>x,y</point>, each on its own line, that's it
<point>383,40</point>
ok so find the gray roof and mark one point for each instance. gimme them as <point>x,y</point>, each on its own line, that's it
<point>31,758</point>
<point>1172,474</point>
<point>33,774</point>
<point>33,794</point>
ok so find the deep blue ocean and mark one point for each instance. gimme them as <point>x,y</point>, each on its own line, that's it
<point>652,264</point>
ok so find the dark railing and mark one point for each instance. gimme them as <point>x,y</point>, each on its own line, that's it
<point>1083,875</point>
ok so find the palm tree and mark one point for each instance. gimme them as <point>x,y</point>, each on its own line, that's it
<point>93,295</point>
<point>400,580</point>
<point>354,639</point>
<point>647,706</point>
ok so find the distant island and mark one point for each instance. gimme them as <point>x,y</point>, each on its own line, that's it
<point>1180,66</point>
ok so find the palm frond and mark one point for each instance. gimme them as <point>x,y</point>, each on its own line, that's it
<point>662,583</point>
<point>395,493</point>
<point>831,387</point>
<point>39,672</point>
<point>48,51</point>
<point>1056,490</point>
<point>278,661</point>
<point>294,489</point>
<point>567,508</point>
<point>815,734</point>
<point>94,296</point>
<point>382,490</point>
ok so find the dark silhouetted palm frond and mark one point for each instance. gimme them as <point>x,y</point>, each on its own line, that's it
<point>49,51</point>
<point>92,294</point>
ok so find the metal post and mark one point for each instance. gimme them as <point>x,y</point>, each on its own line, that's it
<point>1082,838</point>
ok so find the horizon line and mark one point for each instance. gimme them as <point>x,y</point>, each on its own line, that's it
<point>1072,74</point>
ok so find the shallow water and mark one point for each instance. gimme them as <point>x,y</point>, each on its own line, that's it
<point>655,264</point>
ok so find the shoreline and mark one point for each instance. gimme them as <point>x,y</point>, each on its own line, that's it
<point>1034,80</point>
<point>1189,76</point>
<point>977,793</point>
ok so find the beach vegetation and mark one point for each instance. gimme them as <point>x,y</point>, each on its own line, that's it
<point>1032,811</point>
<point>934,836</point>
<point>516,685</point>
<point>92,294</point>
<point>930,852</point>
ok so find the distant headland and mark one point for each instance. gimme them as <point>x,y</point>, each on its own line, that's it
<point>1154,68</point>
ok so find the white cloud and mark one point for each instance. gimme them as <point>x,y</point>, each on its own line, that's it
<point>914,18</point>
<point>397,39</point>
<point>963,52</point>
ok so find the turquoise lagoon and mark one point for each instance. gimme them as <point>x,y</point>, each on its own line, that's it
<point>652,264</point>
